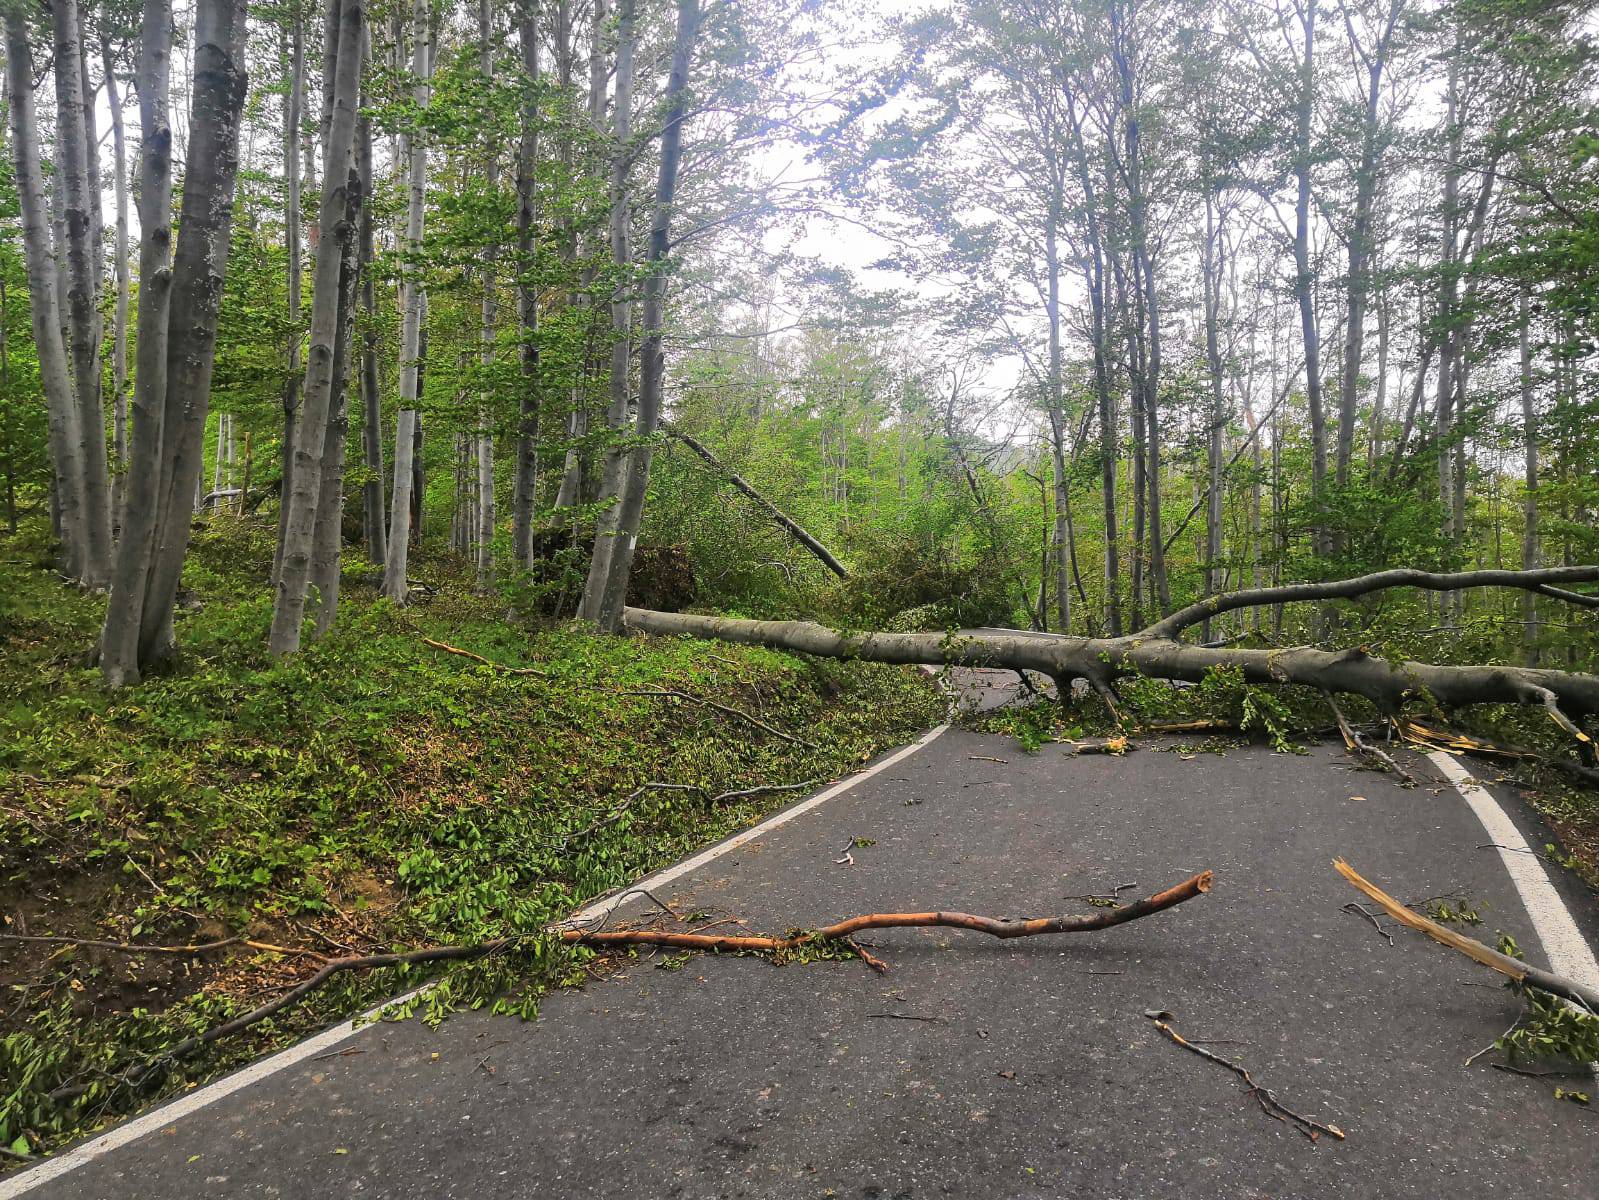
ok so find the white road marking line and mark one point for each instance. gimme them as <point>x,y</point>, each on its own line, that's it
<point>53,1168</point>
<point>1563,944</point>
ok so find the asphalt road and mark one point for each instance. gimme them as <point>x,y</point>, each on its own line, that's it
<point>976,1068</point>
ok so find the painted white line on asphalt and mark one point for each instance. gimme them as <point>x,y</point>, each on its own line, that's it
<point>53,1168</point>
<point>1563,944</point>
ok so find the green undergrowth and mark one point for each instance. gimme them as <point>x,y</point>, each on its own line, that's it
<point>371,793</point>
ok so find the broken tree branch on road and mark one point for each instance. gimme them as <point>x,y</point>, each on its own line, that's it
<point>841,932</point>
<point>1158,651</point>
<point>1524,973</point>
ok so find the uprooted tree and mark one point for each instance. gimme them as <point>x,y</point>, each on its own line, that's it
<point>1158,651</point>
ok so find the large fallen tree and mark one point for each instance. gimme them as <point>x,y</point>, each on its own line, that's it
<point>1158,650</point>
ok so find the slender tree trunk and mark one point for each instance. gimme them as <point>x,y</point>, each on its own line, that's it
<point>1361,245</point>
<point>652,350</point>
<point>488,316</point>
<point>395,583</point>
<point>80,208</point>
<point>293,118</point>
<point>119,339</point>
<point>1379,407</point>
<point>1305,280</point>
<point>328,536</point>
<point>199,268</point>
<point>525,490</point>
<point>66,443</point>
<point>1531,558</point>
<point>119,639</point>
<point>328,292</point>
<point>375,525</point>
<point>1057,415</point>
<point>1212,272</point>
<point>613,472</point>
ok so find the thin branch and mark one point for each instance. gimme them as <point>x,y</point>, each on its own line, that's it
<point>1269,1104</point>
<point>1349,589</point>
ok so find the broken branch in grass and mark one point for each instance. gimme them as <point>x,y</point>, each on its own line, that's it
<point>728,709</point>
<point>1522,972</point>
<point>488,662</point>
<point>1269,1104</point>
<point>135,948</point>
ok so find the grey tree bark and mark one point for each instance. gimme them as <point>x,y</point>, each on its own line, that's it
<point>1531,555</point>
<point>396,586</point>
<point>80,209</point>
<point>199,270</point>
<point>652,368</point>
<point>1057,413</point>
<point>374,522</point>
<point>294,111</point>
<point>328,536</point>
<point>613,471</point>
<point>119,639</point>
<point>1304,276</point>
<point>488,316</point>
<point>119,327</point>
<point>1361,243</point>
<point>1158,652</point>
<point>65,437</point>
<point>525,485</point>
<point>329,289</point>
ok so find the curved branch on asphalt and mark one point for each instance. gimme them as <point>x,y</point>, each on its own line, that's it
<point>841,931</point>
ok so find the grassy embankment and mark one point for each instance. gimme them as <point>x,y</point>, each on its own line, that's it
<point>372,793</point>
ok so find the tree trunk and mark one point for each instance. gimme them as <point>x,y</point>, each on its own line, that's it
<point>791,526</point>
<point>374,523</point>
<point>119,335</point>
<point>328,536</point>
<point>66,442</point>
<point>1156,652</point>
<point>1305,280</point>
<point>293,115</point>
<point>80,208</point>
<point>1361,243</point>
<point>119,639</point>
<point>488,316</point>
<point>1530,550</point>
<point>1211,281</point>
<point>613,472</point>
<point>525,489</point>
<point>328,291</point>
<point>396,586</point>
<point>1057,414</point>
<point>652,351</point>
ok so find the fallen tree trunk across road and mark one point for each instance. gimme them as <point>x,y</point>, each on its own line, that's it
<point>1159,652</point>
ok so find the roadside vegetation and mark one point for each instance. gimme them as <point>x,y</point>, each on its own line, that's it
<point>372,793</point>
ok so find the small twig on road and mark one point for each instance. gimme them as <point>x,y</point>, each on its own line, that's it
<point>1360,910</point>
<point>1513,1025</point>
<point>987,758</point>
<point>1269,1104</point>
<point>902,1017</point>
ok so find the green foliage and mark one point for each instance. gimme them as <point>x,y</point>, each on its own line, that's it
<point>371,790</point>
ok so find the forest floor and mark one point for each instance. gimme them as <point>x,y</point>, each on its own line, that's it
<point>373,793</point>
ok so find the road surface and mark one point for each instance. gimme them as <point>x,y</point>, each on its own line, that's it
<point>976,1068</point>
